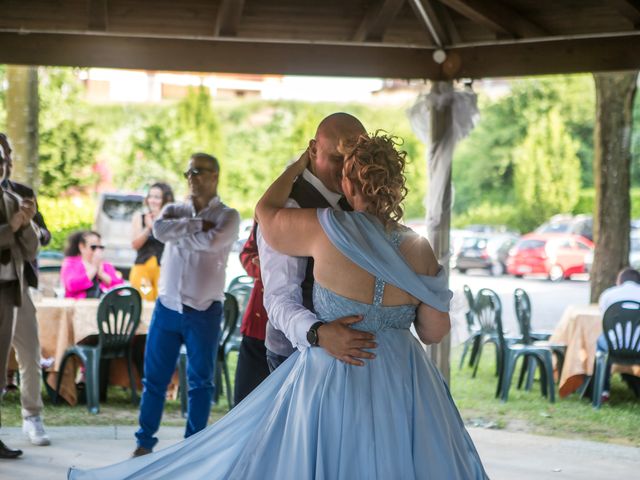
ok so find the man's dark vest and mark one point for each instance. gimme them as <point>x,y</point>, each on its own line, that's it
<point>306,196</point>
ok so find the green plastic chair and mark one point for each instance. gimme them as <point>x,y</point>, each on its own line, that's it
<point>621,327</point>
<point>473,330</point>
<point>522,305</point>
<point>229,320</point>
<point>118,319</point>
<point>489,311</point>
<point>240,287</point>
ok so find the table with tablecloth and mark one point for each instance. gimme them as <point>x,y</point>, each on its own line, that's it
<point>64,322</point>
<point>579,329</point>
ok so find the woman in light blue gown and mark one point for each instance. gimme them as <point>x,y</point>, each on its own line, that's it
<point>317,417</point>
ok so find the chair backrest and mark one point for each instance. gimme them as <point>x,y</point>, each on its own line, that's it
<point>621,327</point>
<point>522,306</point>
<point>470,313</point>
<point>230,314</point>
<point>488,313</point>
<point>242,292</point>
<point>118,318</point>
<point>240,280</point>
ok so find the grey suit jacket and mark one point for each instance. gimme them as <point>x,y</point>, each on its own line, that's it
<point>23,243</point>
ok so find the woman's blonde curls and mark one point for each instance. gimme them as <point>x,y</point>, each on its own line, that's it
<point>376,167</point>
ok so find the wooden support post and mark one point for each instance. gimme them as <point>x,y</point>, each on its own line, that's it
<point>438,228</point>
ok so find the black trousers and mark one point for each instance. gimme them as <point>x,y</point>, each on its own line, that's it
<point>252,367</point>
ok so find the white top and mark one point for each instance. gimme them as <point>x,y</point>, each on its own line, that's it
<point>282,278</point>
<point>194,262</point>
<point>627,291</point>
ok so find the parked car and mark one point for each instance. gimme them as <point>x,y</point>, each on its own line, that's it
<point>113,222</point>
<point>564,223</point>
<point>486,252</point>
<point>555,255</point>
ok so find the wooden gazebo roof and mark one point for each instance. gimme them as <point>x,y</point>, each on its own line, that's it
<point>386,38</point>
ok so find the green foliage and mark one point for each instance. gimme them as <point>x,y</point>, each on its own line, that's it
<point>489,214</point>
<point>160,149</point>
<point>66,215</point>
<point>484,163</point>
<point>587,201</point>
<point>547,171</point>
<point>67,153</point>
<point>68,147</point>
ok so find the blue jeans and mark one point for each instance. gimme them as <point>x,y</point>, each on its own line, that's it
<point>199,331</point>
<point>602,346</point>
<point>274,360</point>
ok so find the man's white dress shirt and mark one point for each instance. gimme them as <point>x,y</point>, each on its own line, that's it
<point>194,262</point>
<point>282,277</point>
<point>626,291</point>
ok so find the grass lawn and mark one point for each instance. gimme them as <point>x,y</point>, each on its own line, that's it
<point>617,421</point>
<point>118,410</point>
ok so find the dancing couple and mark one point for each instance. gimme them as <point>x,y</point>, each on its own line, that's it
<point>374,409</point>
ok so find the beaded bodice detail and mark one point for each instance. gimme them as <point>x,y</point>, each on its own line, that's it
<point>376,316</point>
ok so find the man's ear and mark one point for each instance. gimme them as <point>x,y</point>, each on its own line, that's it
<point>313,148</point>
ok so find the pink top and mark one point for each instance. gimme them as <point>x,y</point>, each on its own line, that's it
<point>76,282</point>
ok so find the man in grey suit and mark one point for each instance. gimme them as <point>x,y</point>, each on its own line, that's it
<point>18,243</point>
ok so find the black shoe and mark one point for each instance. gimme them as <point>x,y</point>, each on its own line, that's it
<point>140,451</point>
<point>6,452</point>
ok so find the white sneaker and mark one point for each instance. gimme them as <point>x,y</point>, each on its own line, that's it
<point>33,428</point>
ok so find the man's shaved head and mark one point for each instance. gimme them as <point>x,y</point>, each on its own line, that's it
<point>326,150</point>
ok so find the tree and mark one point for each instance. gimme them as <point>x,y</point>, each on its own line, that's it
<point>612,163</point>
<point>547,171</point>
<point>68,146</point>
<point>22,121</point>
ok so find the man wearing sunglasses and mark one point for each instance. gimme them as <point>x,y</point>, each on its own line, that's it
<point>18,243</point>
<point>198,235</point>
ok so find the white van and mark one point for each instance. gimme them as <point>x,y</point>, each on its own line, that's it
<point>113,222</point>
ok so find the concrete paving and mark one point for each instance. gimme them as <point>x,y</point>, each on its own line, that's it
<point>506,455</point>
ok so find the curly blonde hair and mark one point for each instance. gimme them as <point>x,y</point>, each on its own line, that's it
<point>376,167</point>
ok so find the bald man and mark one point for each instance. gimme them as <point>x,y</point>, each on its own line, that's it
<point>288,281</point>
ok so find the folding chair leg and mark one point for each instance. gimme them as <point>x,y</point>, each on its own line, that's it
<point>477,359</point>
<point>474,349</point>
<point>227,383</point>
<point>132,379</point>
<point>531,374</point>
<point>548,368</point>
<point>523,371</point>
<point>92,382</point>
<point>509,366</point>
<point>464,353</point>
<point>184,385</point>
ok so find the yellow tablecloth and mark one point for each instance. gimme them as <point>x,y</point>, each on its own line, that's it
<point>64,322</point>
<point>579,329</point>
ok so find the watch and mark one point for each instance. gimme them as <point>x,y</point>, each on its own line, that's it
<point>312,334</point>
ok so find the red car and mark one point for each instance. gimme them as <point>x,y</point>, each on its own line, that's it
<point>555,255</point>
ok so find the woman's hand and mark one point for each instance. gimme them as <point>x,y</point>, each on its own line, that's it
<point>302,163</point>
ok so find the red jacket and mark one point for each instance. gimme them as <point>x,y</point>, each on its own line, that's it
<point>254,321</point>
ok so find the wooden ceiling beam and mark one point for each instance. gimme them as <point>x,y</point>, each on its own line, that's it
<point>430,15</point>
<point>497,17</point>
<point>234,56</point>
<point>377,20</point>
<point>604,54</point>
<point>98,15</point>
<point>215,55</point>
<point>629,9</point>
<point>228,18</point>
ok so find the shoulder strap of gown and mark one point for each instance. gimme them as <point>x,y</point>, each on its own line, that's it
<point>361,238</point>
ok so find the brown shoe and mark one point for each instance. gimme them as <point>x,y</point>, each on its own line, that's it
<point>140,451</point>
<point>6,452</point>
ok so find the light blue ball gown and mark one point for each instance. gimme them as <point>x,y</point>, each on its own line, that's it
<point>318,418</point>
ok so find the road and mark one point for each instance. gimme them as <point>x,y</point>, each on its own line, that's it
<point>548,299</point>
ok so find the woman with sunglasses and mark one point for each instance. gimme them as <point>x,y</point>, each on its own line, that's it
<point>145,273</point>
<point>84,272</point>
